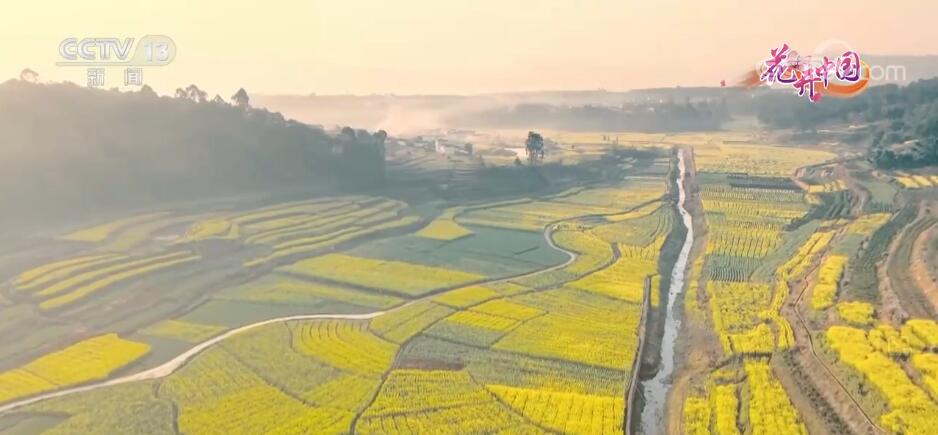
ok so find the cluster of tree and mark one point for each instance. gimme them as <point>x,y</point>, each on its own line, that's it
<point>664,116</point>
<point>240,99</point>
<point>900,124</point>
<point>69,149</point>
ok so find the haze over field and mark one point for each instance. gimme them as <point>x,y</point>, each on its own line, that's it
<point>476,217</point>
<point>433,47</point>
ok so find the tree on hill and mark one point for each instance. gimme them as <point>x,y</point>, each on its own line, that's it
<point>28,75</point>
<point>147,91</point>
<point>195,94</point>
<point>534,147</point>
<point>241,99</point>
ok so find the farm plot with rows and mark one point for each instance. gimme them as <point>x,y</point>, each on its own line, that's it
<point>759,238</point>
<point>493,252</point>
<point>397,277</point>
<point>457,347</point>
<point>89,360</point>
<point>537,214</point>
<point>77,281</point>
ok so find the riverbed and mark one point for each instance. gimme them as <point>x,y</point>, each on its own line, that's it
<point>655,390</point>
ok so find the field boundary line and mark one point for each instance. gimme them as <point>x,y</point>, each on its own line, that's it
<point>176,363</point>
<point>634,382</point>
<point>798,303</point>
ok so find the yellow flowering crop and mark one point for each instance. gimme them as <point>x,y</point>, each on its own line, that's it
<point>216,228</point>
<point>102,232</point>
<point>402,324</point>
<point>911,410</point>
<point>184,331</point>
<point>565,412</point>
<point>424,401</point>
<point>825,291</point>
<point>867,224</point>
<point>348,346</point>
<point>445,228</point>
<point>86,289</point>
<point>856,313</point>
<point>926,330</point>
<point>47,273</point>
<point>397,276</point>
<point>927,365</point>
<point>466,296</point>
<point>89,360</point>
<point>96,274</point>
<point>509,309</point>
<point>696,416</point>
<point>725,404</point>
<point>770,410</point>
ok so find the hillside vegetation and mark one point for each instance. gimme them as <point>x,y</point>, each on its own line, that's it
<point>68,149</point>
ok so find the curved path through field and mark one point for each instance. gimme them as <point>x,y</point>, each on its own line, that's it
<point>179,361</point>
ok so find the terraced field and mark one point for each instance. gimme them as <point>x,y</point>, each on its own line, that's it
<point>360,314</point>
<point>89,360</point>
<point>134,275</point>
<point>758,241</point>
<point>811,337</point>
<point>522,341</point>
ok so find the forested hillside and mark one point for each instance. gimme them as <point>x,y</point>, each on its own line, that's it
<point>68,149</point>
<point>899,123</point>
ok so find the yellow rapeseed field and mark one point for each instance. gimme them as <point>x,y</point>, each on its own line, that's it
<point>397,276</point>
<point>911,409</point>
<point>409,321</point>
<point>445,228</point>
<point>424,401</point>
<point>215,228</point>
<point>696,416</point>
<point>96,274</point>
<point>509,309</point>
<point>184,331</point>
<point>348,346</point>
<point>89,360</point>
<point>865,225</point>
<point>825,291</point>
<point>579,327</point>
<point>565,412</point>
<point>770,410</point>
<point>725,407</point>
<point>756,159</point>
<point>56,270</point>
<point>856,313</point>
<point>466,296</point>
<point>102,232</point>
<point>84,290</point>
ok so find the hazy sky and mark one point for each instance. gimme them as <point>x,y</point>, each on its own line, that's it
<point>456,46</point>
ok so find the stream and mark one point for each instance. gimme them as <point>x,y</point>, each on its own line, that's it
<point>655,390</point>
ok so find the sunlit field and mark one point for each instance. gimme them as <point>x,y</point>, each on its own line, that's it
<point>522,314</point>
<point>485,324</point>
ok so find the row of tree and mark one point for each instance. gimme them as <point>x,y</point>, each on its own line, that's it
<point>193,93</point>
